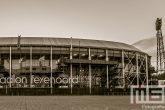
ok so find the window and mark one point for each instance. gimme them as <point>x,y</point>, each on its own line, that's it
<point>43,68</point>
<point>27,68</point>
<point>34,68</point>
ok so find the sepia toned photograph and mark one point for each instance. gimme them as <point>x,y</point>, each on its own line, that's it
<point>82,55</point>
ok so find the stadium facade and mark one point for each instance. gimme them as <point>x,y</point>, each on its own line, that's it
<point>92,64</point>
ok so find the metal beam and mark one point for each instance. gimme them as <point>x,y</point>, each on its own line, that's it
<point>137,69</point>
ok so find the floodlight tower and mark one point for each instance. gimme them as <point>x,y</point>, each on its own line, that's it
<point>160,47</point>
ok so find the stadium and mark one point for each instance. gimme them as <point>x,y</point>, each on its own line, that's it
<point>79,66</point>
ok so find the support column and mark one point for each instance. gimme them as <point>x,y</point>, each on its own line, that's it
<point>31,64</point>
<point>89,54</point>
<point>71,78</point>
<point>107,68</point>
<point>90,80</point>
<point>10,68</point>
<point>51,68</point>
<point>71,85</point>
<point>106,55</point>
<point>71,50</point>
<point>137,69</point>
<point>107,78</point>
<point>146,69</point>
<point>123,69</point>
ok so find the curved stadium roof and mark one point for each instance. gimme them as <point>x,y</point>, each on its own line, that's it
<point>47,41</point>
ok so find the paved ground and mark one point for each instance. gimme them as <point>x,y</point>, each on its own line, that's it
<point>67,103</point>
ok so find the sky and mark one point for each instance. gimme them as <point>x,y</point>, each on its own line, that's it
<point>125,21</point>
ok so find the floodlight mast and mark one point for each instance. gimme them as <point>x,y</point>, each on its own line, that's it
<point>160,47</point>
